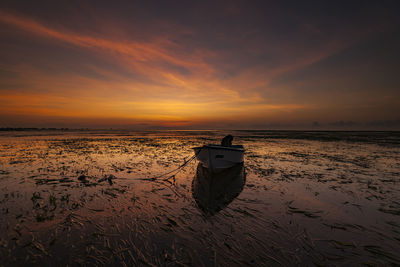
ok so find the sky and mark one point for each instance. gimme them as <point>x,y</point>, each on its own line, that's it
<point>310,65</point>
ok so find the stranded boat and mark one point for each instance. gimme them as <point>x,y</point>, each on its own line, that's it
<point>220,157</point>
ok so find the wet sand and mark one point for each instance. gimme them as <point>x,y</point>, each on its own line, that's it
<point>301,198</point>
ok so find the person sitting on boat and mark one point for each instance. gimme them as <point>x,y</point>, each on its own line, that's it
<point>227,140</point>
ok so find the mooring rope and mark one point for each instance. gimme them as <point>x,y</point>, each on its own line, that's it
<point>177,170</point>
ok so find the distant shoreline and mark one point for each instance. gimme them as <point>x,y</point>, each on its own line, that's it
<point>9,129</point>
<point>22,129</point>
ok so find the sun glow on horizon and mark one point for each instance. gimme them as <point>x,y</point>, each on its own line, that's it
<point>113,73</point>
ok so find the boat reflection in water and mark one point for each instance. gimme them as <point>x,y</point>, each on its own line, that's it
<point>214,191</point>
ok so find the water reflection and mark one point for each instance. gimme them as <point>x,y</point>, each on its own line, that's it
<point>214,191</point>
<point>309,199</point>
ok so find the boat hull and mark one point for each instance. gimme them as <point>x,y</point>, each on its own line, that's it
<point>217,158</point>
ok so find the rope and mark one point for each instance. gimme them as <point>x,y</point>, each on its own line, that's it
<point>166,180</point>
<point>177,170</point>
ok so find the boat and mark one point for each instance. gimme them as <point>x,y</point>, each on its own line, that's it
<point>217,157</point>
<point>213,192</point>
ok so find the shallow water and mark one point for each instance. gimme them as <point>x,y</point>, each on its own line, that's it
<point>309,198</point>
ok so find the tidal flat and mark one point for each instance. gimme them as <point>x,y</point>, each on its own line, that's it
<point>99,198</point>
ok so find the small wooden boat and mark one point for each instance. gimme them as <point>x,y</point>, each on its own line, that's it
<point>218,157</point>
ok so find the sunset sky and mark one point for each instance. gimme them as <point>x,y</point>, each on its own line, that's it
<point>200,65</point>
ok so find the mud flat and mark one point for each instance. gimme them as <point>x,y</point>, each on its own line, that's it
<point>309,198</point>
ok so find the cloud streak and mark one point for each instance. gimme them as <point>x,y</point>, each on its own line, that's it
<point>189,75</point>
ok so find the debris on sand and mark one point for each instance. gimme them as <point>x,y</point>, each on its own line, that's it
<point>82,178</point>
<point>108,178</point>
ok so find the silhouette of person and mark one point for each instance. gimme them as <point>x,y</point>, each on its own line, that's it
<point>227,140</point>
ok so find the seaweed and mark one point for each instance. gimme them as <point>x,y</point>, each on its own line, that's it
<point>311,198</point>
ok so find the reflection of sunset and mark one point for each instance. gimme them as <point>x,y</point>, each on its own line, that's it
<point>170,72</point>
<point>295,190</point>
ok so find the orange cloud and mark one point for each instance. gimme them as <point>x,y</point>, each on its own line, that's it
<point>139,51</point>
<point>170,96</point>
